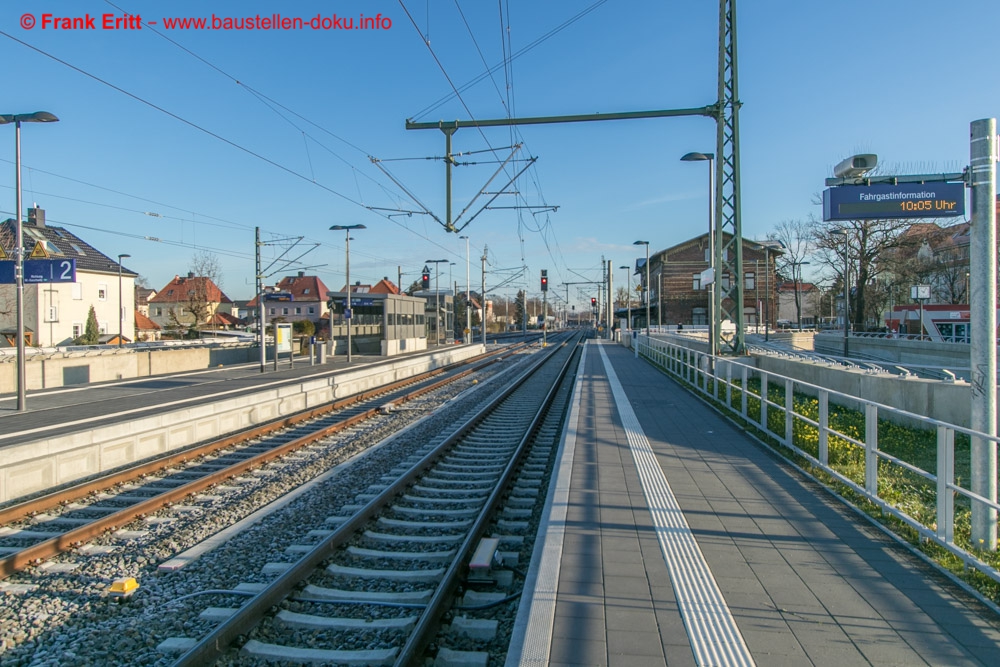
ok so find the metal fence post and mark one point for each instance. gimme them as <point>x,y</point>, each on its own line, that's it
<point>743,391</point>
<point>763,401</point>
<point>789,411</point>
<point>824,428</point>
<point>871,449</point>
<point>945,476</point>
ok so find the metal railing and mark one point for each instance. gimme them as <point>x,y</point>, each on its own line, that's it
<point>798,415</point>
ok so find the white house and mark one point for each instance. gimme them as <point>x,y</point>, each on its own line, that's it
<point>56,313</point>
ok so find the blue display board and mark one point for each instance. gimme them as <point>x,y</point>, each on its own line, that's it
<point>906,200</point>
<point>40,271</point>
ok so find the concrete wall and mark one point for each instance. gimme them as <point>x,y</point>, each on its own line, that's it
<point>902,351</point>
<point>57,369</point>
<point>42,464</point>
<point>948,402</point>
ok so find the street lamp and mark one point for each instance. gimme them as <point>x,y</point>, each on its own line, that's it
<point>847,302</point>
<point>121,308</point>
<point>646,243</point>
<point>437,299</point>
<point>347,269</point>
<point>701,157</point>
<point>795,283</point>
<point>628,294</point>
<point>17,119</point>
<point>468,296</point>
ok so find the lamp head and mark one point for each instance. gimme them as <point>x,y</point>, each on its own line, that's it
<point>697,157</point>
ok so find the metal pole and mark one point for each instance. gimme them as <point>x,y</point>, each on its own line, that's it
<point>482,297</point>
<point>19,275</point>
<point>468,296</point>
<point>767,294</point>
<point>347,302</point>
<point>448,161</point>
<point>713,348</point>
<point>260,305</point>
<point>647,290</point>
<point>437,305</point>
<point>847,298</point>
<point>120,316</point>
<point>756,289</point>
<point>983,324</point>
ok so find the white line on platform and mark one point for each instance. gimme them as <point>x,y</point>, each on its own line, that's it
<point>712,631</point>
<point>531,639</point>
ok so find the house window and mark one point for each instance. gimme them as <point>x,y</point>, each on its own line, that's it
<point>696,281</point>
<point>52,314</point>
<point>305,291</point>
<point>708,252</point>
<point>77,291</point>
<point>102,291</point>
<point>749,281</point>
<point>699,316</point>
<point>159,312</point>
<point>312,310</point>
<point>298,311</point>
<point>284,311</point>
<point>725,282</point>
<point>77,329</point>
<point>272,311</point>
<point>102,327</point>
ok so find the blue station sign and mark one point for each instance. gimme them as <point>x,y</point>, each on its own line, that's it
<point>40,271</point>
<point>906,200</point>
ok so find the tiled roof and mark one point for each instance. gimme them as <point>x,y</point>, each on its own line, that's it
<point>68,245</point>
<point>142,295</point>
<point>302,288</point>
<point>385,286</point>
<point>143,323</point>
<point>225,319</point>
<point>179,290</point>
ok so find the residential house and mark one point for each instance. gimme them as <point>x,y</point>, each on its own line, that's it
<point>145,328</point>
<point>142,297</point>
<point>294,298</point>
<point>678,296</point>
<point>188,302</point>
<point>56,313</point>
<point>810,297</point>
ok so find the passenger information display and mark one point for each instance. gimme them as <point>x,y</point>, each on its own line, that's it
<point>907,200</point>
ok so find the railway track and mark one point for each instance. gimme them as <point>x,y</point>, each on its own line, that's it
<point>370,585</point>
<point>41,528</point>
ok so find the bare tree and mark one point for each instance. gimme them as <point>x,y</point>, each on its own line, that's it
<point>200,285</point>
<point>797,238</point>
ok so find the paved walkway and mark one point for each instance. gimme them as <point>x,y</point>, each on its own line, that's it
<point>678,540</point>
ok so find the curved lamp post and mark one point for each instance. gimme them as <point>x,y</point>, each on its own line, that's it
<point>628,294</point>
<point>701,157</point>
<point>121,309</point>
<point>847,304</point>
<point>347,269</point>
<point>646,243</point>
<point>17,119</point>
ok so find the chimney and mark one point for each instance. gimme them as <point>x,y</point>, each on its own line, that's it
<point>190,274</point>
<point>302,274</point>
<point>36,216</point>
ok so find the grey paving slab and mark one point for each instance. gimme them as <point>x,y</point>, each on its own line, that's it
<point>807,581</point>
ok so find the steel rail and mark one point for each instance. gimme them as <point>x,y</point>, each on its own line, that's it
<point>211,647</point>
<point>65,541</point>
<point>425,627</point>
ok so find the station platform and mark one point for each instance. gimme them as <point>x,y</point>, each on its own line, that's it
<point>674,538</point>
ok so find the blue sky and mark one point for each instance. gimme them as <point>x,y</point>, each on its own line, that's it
<point>818,81</point>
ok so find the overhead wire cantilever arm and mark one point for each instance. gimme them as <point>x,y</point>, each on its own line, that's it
<point>513,152</point>
<point>513,178</point>
<point>298,239</point>
<point>378,163</point>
